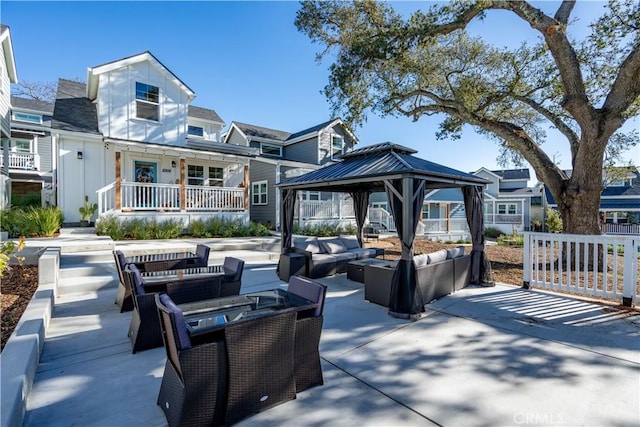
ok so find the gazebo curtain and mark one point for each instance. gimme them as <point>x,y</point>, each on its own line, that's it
<point>360,207</point>
<point>406,197</point>
<point>286,219</point>
<point>480,267</point>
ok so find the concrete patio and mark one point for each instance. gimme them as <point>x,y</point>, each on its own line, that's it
<point>483,356</point>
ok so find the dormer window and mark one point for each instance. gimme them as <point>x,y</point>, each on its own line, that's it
<point>195,131</point>
<point>271,150</point>
<point>147,102</point>
<point>26,117</point>
<point>337,146</point>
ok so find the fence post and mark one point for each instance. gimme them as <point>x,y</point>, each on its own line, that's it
<point>630,272</point>
<point>526,264</point>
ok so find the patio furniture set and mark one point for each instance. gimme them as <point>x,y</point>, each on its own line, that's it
<point>229,355</point>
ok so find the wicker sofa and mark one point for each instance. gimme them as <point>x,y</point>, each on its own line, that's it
<point>326,256</point>
<point>437,274</point>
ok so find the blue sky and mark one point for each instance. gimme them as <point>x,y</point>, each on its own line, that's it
<point>246,60</point>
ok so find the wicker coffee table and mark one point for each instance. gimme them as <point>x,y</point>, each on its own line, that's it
<point>355,269</point>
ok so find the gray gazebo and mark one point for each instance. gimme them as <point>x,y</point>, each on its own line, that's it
<point>392,168</point>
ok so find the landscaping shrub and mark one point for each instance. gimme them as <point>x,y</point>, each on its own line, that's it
<point>26,200</point>
<point>169,229</point>
<point>137,229</point>
<point>46,221</point>
<point>8,250</point>
<point>258,229</point>
<point>492,232</point>
<point>511,240</point>
<point>197,228</point>
<point>553,221</point>
<point>214,227</point>
<point>110,225</point>
<point>324,230</point>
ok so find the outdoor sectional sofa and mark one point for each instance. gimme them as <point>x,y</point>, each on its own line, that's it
<point>326,256</point>
<point>437,274</point>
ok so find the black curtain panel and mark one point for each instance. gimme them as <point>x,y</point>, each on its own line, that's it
<point>286,219</point>
<point>360,207</point>
<point>406,197</point>
<point>473,204</point>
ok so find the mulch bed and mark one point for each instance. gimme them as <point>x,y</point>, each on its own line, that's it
<point>17,287</point>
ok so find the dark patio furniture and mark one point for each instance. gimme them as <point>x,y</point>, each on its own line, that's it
<point>355,269</point>
<point>233,269</point>
<point>247,360</point>
<point>194,385</point>
<point>123,296</point>
<point>202,253</point>
<point>308,370</point>
<point>144,329</point>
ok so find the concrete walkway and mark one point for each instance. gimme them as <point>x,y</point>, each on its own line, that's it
<point>497,356</point>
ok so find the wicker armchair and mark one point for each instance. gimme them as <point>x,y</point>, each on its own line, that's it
<point>124,296</point>
<point>144,329</point>
<point>308,370</point>
<point>193,389</point>
<point>202,251</point>
<point>233,268</point>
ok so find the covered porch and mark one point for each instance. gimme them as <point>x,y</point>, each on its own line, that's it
<point>177,183</point>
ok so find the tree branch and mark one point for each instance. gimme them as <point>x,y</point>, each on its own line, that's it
<point>626,87</point>
<point>564,11</point>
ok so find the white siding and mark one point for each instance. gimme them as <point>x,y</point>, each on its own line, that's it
<point>211,131</point>
<point>5,96</point>
<point>79,177</point>
<point>117,106</point>
<point>236,139</point>
<point>492,188</point>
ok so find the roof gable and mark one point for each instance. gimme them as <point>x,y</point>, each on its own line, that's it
<point>93,73</point>
<point>204,114</point>
<point>7,49</point>
<point>30,104</point>
<point>261,132</point>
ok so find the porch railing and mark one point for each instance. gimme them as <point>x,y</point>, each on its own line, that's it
<point>502,219</point>
<point>621,228</point>
<point>22,161</point>
<point>325,209</point>
<point>136,196</point>
<point>600,266</point>
<point>441,225</point>
<point>383,217</point>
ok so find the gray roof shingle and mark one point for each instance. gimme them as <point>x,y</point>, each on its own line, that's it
<point>262,132</point>
<point>32,104</point>
<point>73,111</point>
<point>512,173</point>
<point>204,113</point>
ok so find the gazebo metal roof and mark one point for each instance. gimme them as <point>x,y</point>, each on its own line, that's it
<point>367,168</point>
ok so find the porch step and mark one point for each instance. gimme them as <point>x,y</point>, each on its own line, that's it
<point>87,270</point>
<point>74,285</point>
<point>82,258</point>
<point>67,231</point>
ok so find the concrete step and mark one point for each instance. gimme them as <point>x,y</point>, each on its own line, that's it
<point>93,257</point>
<point>74,285</point>
<point>67,231</point>
<point>88,270</point>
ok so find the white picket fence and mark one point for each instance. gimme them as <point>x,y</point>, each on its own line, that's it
<point>571,263</point>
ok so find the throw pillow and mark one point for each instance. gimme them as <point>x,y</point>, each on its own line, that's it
<point>456,252</point>
<point>421,260</point>
<point>437,256</point>
<point>333,246</point>
<point>350,242</point>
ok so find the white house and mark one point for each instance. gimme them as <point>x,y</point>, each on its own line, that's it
<point>131,140</point>
<point>8,75</point>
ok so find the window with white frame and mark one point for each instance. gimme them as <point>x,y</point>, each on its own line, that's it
<point>271,150</point>
<point>310,195</point>
<point>195,131</point>
<point>21,146</point>
<point>26,117</point>
<point>259,193</point>
<point>425,211</point>
<point>507,208</point>
<point>195,175</point>
<point>337,146</point>
<point>216,177</point>
<point>147,101</point>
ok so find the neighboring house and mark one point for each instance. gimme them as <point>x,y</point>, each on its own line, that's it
<point>509,205</point>
<point>131,140</point>
<point>8,75</point>
<point>619,201</point>
<point>284,155</point>
<point>31,164</point>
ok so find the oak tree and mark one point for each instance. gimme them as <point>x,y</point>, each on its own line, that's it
<point>429,64</point>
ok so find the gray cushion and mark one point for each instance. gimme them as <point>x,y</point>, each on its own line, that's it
<point>345,256</point>
<point>184,341</point>
<point>455,252</point>
<point>309,245</point>
<point>421,260</point>
<point>363,252</point>
<point>333,245</point>
<point>438,256</point>
<point>350,242</point>
<point>322,259</point>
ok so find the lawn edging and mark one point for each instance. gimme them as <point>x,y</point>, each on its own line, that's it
<point>21,354</point>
